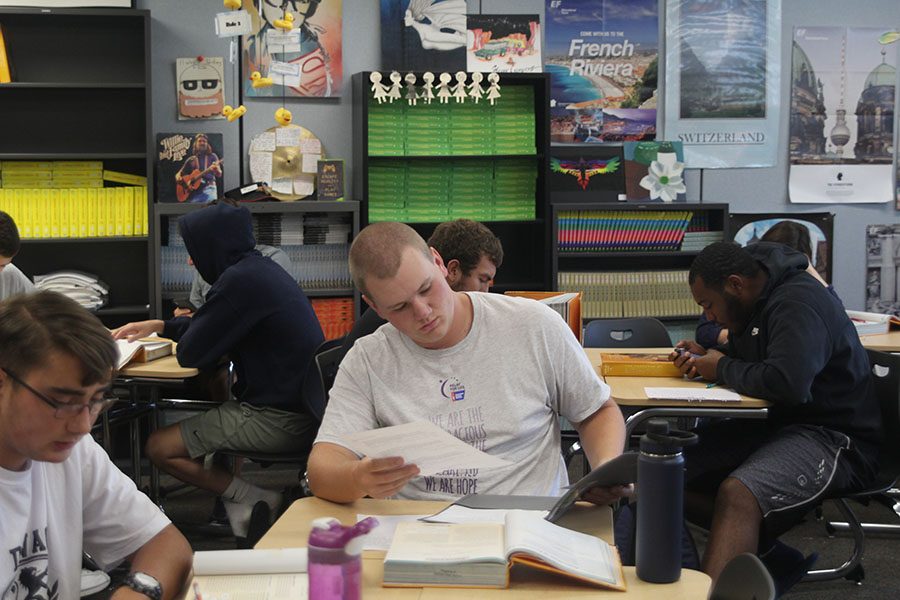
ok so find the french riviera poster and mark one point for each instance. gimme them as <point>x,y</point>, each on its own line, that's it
<point>603,59</point>
<point>843,85</point>
<point>503,43</point>
<point>423,35</point>
<point>307,61</point>
<point>723,61</point>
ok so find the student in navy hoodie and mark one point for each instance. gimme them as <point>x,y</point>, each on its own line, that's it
<point>258,316</point>
<point>789,342</point>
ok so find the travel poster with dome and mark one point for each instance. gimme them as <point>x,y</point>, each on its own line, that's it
<point>603,59</point>
<point>843,86</point>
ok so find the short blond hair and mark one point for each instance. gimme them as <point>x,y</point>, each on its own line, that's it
<point>378,250</point>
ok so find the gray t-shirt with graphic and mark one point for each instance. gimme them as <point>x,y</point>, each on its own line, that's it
<point>500,389</point>
<point>14,282</point>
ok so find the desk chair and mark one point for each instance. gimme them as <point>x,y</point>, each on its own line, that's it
<point>744,578</point>
<point>886,377</point>
<point>637,332</point>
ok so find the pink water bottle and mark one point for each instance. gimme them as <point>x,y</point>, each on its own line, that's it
<point>335,563</point>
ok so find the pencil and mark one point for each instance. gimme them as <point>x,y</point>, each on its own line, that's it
<point>711,385</point>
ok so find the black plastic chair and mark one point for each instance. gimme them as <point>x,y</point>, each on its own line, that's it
<point>886,377</point>
<point>637,332</point>
<point>745,577</point>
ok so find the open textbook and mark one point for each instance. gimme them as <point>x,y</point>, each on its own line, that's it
<point>250,575</point>
<point>481,554</point>
<point>143,350</point>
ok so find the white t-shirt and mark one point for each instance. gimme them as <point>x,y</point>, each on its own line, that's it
<point>50,512</point>
<point>13,282</point>
<point>500,389</point>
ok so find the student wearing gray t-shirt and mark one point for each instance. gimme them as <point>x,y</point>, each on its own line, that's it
<point>12,280</point>
<point>494,371</point>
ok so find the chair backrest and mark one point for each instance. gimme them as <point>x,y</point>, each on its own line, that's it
<point>314,392</point>
<point>638,332</point>
<point>745,577</point>
<point>327,363</point>
<point>886,381</point>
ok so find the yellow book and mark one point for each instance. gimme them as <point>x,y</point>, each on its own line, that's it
<point>26,202</point>
<point>119,177</point>
<point>64,213</point>
<point>145,209</point>
<point>122,198</point>
<point>93,206</point>
<point>128,207</point>
<point>110,211</point>
<point>102,201</point>
<point>638,364</point>
<point>81,201</point>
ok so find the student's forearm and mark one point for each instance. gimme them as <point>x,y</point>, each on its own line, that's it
<point>602,434</point>
<point>166,557</point>
<point>330,474</point>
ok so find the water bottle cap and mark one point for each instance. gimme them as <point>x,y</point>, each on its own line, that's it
<point>659,439</point>
<point>328,532</point>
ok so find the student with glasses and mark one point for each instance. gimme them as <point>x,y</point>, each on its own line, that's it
<point>60,494</point>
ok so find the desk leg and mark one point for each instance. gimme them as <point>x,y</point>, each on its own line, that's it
<point>154,425</point>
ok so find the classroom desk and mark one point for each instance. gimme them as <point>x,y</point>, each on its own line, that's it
<point>885,342</point>
<point>292,530</point>
<point>629,391</point>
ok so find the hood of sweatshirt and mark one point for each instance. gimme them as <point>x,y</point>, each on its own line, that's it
<point>780,262</point>
<point>217,237</point>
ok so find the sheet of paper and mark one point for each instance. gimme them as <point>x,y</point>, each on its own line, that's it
<point>303,187</point>
<point>261,166</point>
<point>264,142</point>
<point>287,136</point>
<point>424,444</point>
<point>283,185</point>
<point>691,394</point>
<point>463,514</point>
<point>288,41</point>
<point>289,80</point>
<point>230,24</point>
<point>252,587</point>
<point>310,162</point>
<point>250,562</point>
<point>310,146</point>
<point>284,68</point>
<point>380,538</point>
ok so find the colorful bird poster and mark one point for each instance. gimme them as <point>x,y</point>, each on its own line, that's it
<point>503,43</point>
<point>423,35</point>
<point>201,87</point>
<point>723,59</point>
<point>843,85</point>
<point>603,59</point>
<point>585,173</point>
<point>654,171</point>
<point>298,44</point>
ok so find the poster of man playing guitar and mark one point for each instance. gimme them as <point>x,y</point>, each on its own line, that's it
<point>189,167</point>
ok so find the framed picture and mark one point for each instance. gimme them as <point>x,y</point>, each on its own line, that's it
<point>586,173</point>
<point>749,228</point>
<point>882,264</point>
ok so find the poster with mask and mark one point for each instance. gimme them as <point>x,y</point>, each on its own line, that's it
<point>843,85</point>
<point>307,61</point>
<point>423,35</point>
<point>201,87</point>
<point>723,65</point>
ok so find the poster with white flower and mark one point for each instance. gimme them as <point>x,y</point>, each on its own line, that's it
<point>654,171</point>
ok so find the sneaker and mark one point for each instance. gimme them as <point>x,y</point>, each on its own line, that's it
<point>787,566</point>
<point>93,582</point>
<point>260,521</point>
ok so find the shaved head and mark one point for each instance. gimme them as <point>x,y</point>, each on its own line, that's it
<point>378,250</point>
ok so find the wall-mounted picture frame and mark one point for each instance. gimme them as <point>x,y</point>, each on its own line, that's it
<point>748,228</point>
<point>586,173</point>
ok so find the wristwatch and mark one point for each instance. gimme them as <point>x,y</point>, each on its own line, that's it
<point>144,584</point>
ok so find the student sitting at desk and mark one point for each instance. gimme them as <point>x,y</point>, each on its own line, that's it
<point>59,492</point>
<point>12,280</point>
<point>493,370</point>
<point>793,235</point>
<point>258,315</point>
<point>791,343</point>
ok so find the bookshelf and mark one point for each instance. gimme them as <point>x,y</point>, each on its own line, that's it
<point>431,163</point>
<point>632,260</point>
<point>315,235</point>
<point>81,91</point>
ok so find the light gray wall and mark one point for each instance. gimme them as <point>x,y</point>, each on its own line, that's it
<point>185,28</point>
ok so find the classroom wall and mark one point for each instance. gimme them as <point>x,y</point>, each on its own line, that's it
<point>185,28</point>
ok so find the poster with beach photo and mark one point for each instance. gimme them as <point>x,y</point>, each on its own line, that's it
<point>603,59</point>
<point>723,59</point>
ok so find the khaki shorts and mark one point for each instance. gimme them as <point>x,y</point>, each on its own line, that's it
<point>238,426</point>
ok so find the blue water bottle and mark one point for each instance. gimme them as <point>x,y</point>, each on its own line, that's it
<point>660,507</point>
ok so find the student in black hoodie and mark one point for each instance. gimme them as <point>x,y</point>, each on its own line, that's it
<point>790,342</point>
<point>257,315</point>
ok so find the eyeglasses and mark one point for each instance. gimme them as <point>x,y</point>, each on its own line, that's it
<point>206,84</point>
<point>65,410</point>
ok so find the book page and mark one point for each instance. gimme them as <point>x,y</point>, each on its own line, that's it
<point>250,587</point>
<point>463,514</point>
<point>583,555</point>
<point>380,538</point>
<point>439,542</point>
<point>126,350</point>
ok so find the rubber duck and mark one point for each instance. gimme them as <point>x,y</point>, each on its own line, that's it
<point>258,81</point>
<point>283,116</point>
<point>286,24</point>
<point>233,114</point>
<point>232,4</point>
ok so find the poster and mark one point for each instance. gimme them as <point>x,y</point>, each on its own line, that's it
<point>603,59</point>
<point>189,167</point>
<point>585,173</point>
<point>883,269</point>
<point>748,228</point>
<point>200,82</point>
<point>723,62</point>
<point>307,61</point>
<point>503,43</point>
<point>842,116</point>
<point>423,35</point>
<point>654,171</point>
